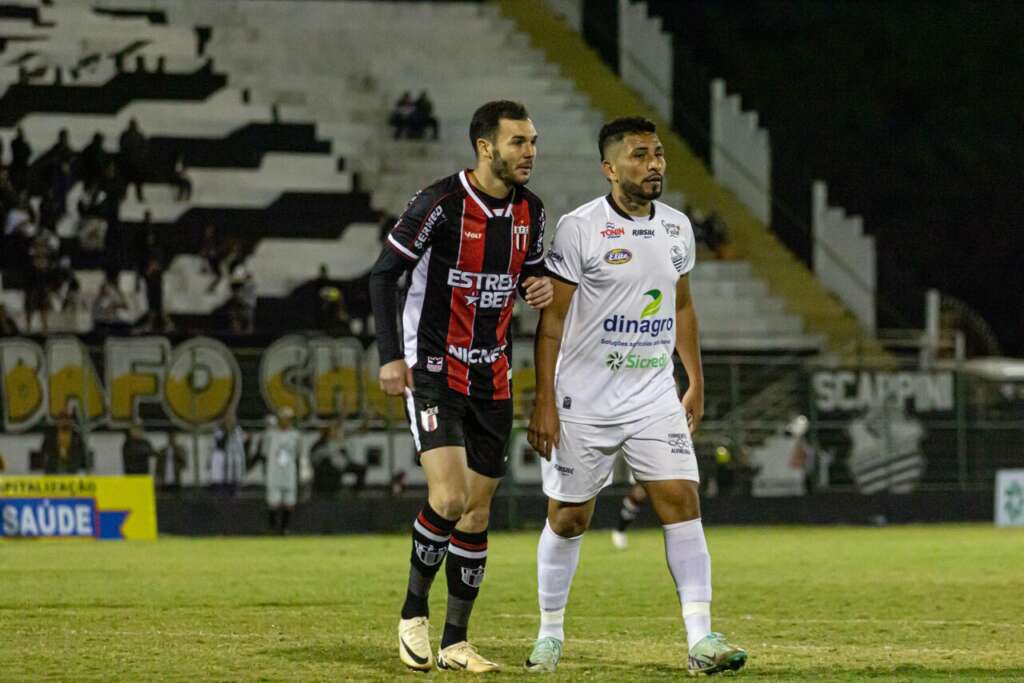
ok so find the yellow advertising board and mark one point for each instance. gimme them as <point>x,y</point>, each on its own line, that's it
<point>105,508</point>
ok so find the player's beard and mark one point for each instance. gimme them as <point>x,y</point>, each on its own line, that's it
<point>637,192</point>
<point>504,172</point>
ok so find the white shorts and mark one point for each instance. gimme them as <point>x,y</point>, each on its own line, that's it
<point>281,496</point>
<point>656,448</point>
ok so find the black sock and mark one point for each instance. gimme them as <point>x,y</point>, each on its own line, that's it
<point>467,557</point>
<point>430,533</point>
<point>627,513</point>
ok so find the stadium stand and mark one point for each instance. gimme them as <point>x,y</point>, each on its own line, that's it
<point>288,151</point>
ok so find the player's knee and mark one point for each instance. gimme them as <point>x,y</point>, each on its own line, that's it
<point>449,504</point>
<point>475,519</point>
<point>569,522</point>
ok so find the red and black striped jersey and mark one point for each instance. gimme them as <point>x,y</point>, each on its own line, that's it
<point>470,252</point>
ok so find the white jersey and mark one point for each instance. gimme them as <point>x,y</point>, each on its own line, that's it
<point>615,363</point>
<point>282,449</point>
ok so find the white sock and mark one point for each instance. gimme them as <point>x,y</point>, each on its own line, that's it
<point>690,564</point>
<point>557,558</point>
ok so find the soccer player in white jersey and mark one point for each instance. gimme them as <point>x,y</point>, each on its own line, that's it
<point>605,385</point>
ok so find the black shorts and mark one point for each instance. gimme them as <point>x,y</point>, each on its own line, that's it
<point>440,416</point>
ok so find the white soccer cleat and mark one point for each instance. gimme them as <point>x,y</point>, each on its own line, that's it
<point>620,540</point>
<point>414,643</point>
<point>464,657</point>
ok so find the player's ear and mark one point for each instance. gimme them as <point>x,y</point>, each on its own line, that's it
<point>608,170</point>
<point>483,148</point>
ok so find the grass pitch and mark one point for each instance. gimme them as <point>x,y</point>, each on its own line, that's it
<point>910,603</point>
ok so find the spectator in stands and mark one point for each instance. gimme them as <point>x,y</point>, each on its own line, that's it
<point>331,461</point>
<point>170,463</point>
<point>401,115</point>
<point>181,180</point>
<point>209,250</point>
<point>110,308</point>
<point>66,286</point>
<point>136,451</point>
<point>21,155</point>
<point>241,307</point>
<point>227,461</point>
<point>157,320</point>
<point>8,328</point>
<point>331,316</point>
<point>92,161</point>
<point>61,152</point>
<point>422,118</point>
<point>42,253</point>
<point>63,450</point>
<point>134,150</point>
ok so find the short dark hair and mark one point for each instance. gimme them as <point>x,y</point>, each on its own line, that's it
<point>488,116</point>
<point>614,131</point>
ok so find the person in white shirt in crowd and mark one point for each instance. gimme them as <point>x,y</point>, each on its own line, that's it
<point>281,450</point>
<point>227,461</point>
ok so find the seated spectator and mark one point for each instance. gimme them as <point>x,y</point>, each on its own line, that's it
<point>331,461</point>
<point>401,115</point>
<point>134,151</point>
<point>181,180</point>
<point>42,252</point>
<point>170,463</point>
<point>136,451</point>
<point>241,307</point>
<point>8,328</point>
<point>63,450</point>
<point>422,118</point>
<point>110,308</point>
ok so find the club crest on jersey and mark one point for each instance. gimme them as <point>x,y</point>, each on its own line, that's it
<point>521,236</point>
<point>671,229</point>
<point>473,576</point>
<point>434,363</point>
<point>428,418</point>
<point>617,257</point>
<point>430,554</point>
<point>612,232</point>
<point>678,257</point>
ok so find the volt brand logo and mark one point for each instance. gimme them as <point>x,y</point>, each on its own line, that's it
<point>470,235</point>
<point>654,306</point>
<point>633,361</point>
<point>476,356</point>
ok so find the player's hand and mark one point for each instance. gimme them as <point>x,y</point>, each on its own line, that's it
<point>395,377</point>
<point>545,428</point>
<point>693,407</point>
<point>539,291</point>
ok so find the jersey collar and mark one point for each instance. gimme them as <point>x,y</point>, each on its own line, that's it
<point>617,209</point>
<point>504,211</point>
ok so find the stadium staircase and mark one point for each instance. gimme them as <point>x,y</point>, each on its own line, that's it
<point>786,276</point>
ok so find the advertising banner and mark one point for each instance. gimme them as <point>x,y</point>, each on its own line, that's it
<point>1010,498</point>
<point>106,508</point>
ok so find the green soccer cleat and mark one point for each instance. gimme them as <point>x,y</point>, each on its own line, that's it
<point>714,654</point>
<point>545,656</point>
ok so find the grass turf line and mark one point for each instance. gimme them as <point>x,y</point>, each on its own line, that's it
<point>825,603</point>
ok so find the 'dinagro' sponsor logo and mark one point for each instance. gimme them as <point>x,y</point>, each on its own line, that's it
<point>648,323</point>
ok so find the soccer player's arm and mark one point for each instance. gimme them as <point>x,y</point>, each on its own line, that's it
<point>536,287</point>
<point>403,248</point>
<point>564,265</point>
<point>688,348</point>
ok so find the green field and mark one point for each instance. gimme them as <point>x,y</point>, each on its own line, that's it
<point>908,603</point>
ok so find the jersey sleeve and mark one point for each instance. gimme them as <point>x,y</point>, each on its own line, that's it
<point>690,249</point>
<point>565,257</point>
<point>415,228</point>
<point>535,254</point>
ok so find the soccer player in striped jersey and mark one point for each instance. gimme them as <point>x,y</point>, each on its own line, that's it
<point>471,241</point>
